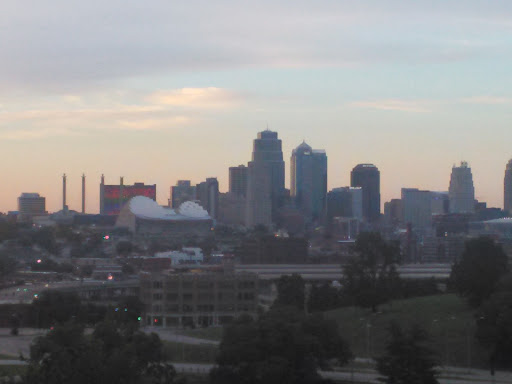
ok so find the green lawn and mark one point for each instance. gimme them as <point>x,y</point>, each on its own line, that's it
<point>190,353</point>
<point>446,318</point>
<point>8,357</point>
<point>12,370</point>
<point>210,333</point>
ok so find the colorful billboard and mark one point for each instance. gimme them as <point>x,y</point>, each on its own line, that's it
<point>113,201</point>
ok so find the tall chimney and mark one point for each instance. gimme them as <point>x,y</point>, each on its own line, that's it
<point>83,193</point>
<point>102,195</point>
<point>121,187</point>
<point>64,192</point>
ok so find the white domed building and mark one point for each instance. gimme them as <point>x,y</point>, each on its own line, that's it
<point>143,216</point>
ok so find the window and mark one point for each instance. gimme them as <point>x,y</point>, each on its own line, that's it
<point>157,296</point>
<point>157,284</point>
<point>172,297</point>
<point>188,296</point>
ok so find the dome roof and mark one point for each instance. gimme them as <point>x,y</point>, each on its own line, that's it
<point>147,208</point>
<point>192,209</point>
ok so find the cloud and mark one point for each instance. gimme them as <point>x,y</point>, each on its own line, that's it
<point>82,45</point>
<point>210,97</point>
<point>112,111</point>
<point>393,105</point>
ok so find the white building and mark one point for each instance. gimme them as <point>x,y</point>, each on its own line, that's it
<point>185,256</point>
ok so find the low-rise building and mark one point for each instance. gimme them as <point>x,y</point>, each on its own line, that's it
<point>199,296</point>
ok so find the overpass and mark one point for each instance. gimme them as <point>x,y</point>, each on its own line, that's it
<point>334,271</point>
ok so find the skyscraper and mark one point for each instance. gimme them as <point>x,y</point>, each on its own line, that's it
<point>181,192</point>
<point>461,191</point>
<point>238,180</point>
<point>508,188</point>
<point>207,193</point>
<point>308,180</point>
<point>367,176</point>
<point>265,180</point>
<point>345,202</point>
<point>417,208</point>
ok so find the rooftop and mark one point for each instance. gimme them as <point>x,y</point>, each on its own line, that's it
<point>147,208</point>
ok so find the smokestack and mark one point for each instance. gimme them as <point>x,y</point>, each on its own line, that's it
<point>121,187</point>
<point>102,195</point>
<point>83,193</point>
<point>64,192</point>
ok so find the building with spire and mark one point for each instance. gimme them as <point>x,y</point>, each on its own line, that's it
<point>308,180</point>
<point>265,180</point>
<point>507,203</point>
<point>461,191</point>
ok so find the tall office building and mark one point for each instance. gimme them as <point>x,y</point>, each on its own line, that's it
<point>461,191</point>
<point>393,212</point>
<point>181,192</point>
<point>238,180</point>
<point>440,203</point>
<point>417,208</point>
<point>207,193</point>
<point>308,180</point>
<point>265,180</point>
<point>345,202</point>
<point>30,205</point>
<point>508,188</point>
<point>367,176</point>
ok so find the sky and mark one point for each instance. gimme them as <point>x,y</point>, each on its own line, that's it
<point>160,90</point>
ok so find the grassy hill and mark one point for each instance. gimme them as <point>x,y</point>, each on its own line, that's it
<point>447,318</point>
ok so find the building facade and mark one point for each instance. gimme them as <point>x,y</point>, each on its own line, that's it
<point>238,181</point>
<point>265,180</point>
<point>181,192</point>
<point>440,203</point>
<point>30,205</point>
<point>207,193</point>
<point>145,218</point>
<point>417,209</point>
<point>308,181</point>
<point>367,176</point>
<point>461,191</point>
<point>507,203</point>
<point>345,202</point>
<point>198,297</point>
<point>114,197</point>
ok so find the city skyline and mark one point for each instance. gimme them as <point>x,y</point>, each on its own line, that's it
<point>178,91</point>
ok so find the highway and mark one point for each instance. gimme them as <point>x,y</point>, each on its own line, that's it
<point>334,271</point>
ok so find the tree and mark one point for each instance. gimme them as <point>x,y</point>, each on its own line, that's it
<point>494,325</point>
<point>370,278</point>
<point>291,291</point>
<point>56,307</point>
<point>7,265</point>
<point>408,359</point>
<point>124,248</point>
<point>128,310</point>
<point>323,297</point>
<point>110,355</point>
<point>283,346</point>
<point>45,238</point>
<point>482,264</point>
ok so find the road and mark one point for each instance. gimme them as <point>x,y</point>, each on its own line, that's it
<point>13,345</point>
<point>448,376</point>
